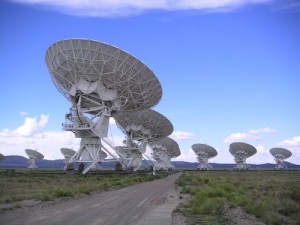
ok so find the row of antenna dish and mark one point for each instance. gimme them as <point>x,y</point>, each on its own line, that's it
<point>241,151</point>
<point>102,81</point>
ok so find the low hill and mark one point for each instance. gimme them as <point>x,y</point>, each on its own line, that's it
<point>16,161</point>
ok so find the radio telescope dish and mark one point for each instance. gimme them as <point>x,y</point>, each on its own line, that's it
<point>103,75</point>
<point>167,145</point>
<point>204,153</point>
<point>142,126</point>
<point>241,151</point>
<point>33,155</point>
<point>280,154</point>
<point>2,157</point>
<point>67,153</point>
<point>163,150</point>
<point>146,124</point>
<point>98,79</point>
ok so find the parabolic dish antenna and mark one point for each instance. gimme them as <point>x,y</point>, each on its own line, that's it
<point>2,157</point>
<point>241,151</point>
<point>163,150</point>
<point>204,152</point>
<point>280,154</point>
<point>33,155</point>
<point>67,152</point>
<point>167,145</point>
<point>146,124</point>
<point>101,75</point>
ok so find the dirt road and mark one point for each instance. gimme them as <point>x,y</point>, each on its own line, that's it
<point>142,204</point>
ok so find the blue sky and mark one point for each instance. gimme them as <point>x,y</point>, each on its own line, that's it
<point>229,71</point>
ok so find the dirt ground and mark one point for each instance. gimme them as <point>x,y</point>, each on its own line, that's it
<point>142,204</point>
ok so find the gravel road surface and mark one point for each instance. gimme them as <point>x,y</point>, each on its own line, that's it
<point>147,203</point>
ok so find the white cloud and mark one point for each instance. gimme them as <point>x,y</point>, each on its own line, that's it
<point>248,135</point>
<point>265,130</point>
<point>240,137</point>
<point>292,142</point>
<point>31,135</point>
<point>261,149</point>
<point>112,121</point>
<point>110,8</point>
<point>181,135</point>
<point>187,156</point>
<point>32,126</point>
<point>49,145</point>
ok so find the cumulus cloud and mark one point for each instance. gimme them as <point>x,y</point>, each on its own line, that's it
<point>248,135</point>
<point>181,135</point>
<point>240,137</point>
<point>32,126</point>
<point>260,149</point>
<point>187,156</point>
<point>111,8</point>
<point>31,135</point>
<point>265,130</point>
<point>292,142</point>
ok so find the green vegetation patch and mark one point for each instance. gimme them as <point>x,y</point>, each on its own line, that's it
<point>272,196</point>
<point>51,184</point>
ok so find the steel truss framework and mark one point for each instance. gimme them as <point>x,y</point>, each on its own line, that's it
<point>98,79</point>
<point>280,154</point>
<point>140,127</point>
<point>163,149</point>
<point>204,153</point>
<point>241,151</point>
<point>33,156</point>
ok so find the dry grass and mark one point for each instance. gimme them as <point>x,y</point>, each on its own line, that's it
<point>48,185</point>
<point>272,196</point>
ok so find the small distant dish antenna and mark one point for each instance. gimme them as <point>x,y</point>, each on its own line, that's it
<point>163,150</point>
<point>204,153</point>
<point>140,127</point>
<point>89,152</point>
<point>33,155</point>
<point>2,157</point>
<point>280,154</point>
<point>241,151</point>
<point>67,153</point>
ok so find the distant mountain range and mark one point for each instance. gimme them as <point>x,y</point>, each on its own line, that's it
<point>16,161</point>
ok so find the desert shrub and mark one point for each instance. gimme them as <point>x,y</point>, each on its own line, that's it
<point>208,206</point>
<point>63,192</point>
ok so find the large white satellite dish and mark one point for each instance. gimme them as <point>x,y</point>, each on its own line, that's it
<point>241,151</point>
<point>280,154</point>
<point>204,153</point>
<point>33,155</point>
<point>98,78</point>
